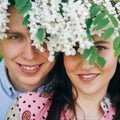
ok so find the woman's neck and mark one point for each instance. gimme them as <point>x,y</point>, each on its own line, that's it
<point>88,106</point>
<point>89,111</point>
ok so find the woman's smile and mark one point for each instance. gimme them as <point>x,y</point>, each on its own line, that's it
<point>88,77</point>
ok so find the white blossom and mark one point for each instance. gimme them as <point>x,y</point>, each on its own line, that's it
<point>64,28</point>
<point>3,18</point>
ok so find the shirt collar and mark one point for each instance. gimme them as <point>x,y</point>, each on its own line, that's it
<point>7,86</point>
<point>105,103</point>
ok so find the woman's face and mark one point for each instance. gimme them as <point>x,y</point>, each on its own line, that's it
<point>27,66</point>
<point>91,79</point>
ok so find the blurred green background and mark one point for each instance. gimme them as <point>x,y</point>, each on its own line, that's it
<point>0,56</point>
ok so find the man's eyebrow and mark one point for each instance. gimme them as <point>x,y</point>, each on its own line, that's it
<point>12,32</point>
<point>15,32</point>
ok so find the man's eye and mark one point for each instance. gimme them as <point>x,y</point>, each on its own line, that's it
<point>14,37</point>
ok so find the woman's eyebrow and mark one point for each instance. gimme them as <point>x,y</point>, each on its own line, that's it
<point>101,42</point>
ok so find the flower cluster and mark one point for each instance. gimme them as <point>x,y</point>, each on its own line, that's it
<point>65,28</point>
<point>64,24</point>
<point>3,18</point>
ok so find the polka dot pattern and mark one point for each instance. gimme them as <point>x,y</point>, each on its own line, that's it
<point>30,106</point>
<point>13,114</point>
<point>109,114</point>
<point>35,106</point>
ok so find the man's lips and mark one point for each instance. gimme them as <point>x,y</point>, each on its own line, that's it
<point>29,69</point>
<point>88,77</point>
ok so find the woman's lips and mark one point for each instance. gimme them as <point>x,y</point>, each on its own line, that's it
<point>88,77</point>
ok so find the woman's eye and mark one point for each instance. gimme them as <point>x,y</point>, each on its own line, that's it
<point>99,48</point>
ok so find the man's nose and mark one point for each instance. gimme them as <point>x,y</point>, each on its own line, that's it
<point>30,52</point>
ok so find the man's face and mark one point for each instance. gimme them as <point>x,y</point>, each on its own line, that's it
<point>27,66</point>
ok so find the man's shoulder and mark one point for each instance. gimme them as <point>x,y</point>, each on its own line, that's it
<point>2,65</point>
<point>5,85</point>
<point>5,103</point>
<point>3,74</point>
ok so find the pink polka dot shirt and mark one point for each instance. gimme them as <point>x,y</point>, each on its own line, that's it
<point>36,105</point>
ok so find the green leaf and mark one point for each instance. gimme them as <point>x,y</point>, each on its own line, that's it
<point>101,61</point>
<point>114,20</point>
<point>104,9</point>
<point>87,52</point>
<point>25,9</point>
<point>56,53</point>
<point>117,52</point>
<point>1,56</point>
<point>26,20</point>
<point>93,58</point>
<point>94,10</point>
<point>102,24</point>
<point>88,34</point>
<point>61,9</point>
<point>21,3</point>
<point>116,43</point>
<point>40,34</point>
<point>12,2</point>
<point>88,22</point>
<point>64,1</point>
<point>119,31</point>
<point>108,33</point>
<point>99,17</point>
<point>92,6</point>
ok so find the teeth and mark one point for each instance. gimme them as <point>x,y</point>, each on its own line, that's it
<point>28,68</point>
<point>88,76</point>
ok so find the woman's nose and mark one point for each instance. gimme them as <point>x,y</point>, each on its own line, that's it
<point>85,65</point>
